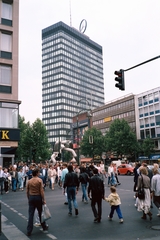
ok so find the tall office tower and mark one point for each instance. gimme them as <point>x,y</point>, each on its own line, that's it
<point>9,103</point>
<point>72,77</point>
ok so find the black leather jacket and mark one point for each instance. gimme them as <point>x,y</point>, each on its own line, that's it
<point>96,186</point>
<point>71,180</point>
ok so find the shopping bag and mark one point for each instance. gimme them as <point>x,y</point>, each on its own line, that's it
<point>45,213</point>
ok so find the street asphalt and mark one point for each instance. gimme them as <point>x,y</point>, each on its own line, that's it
<point>62,227</point>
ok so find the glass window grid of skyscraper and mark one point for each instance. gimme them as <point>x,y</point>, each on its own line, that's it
<point>72,68</point>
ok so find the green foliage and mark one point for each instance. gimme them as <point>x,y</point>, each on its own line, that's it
<point>97,147</point>
<point>147,146</point>
<point>120,139</point>
<point>67,156</point>
<point>33,143</point>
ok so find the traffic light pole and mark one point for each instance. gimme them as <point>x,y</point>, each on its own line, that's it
<point>120,74</point>
<point>142,63</point>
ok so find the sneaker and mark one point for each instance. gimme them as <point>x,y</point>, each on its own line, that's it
<point>66,203</point>
<point>121,220</point>
<point>69,214</point>
<point>110,219</point>
<point>76,211</point>
<point>37,224</point>
<point>86,202</point>
<point>158,215</point>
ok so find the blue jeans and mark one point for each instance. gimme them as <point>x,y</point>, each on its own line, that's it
<point>112,179</point>
<point>14,184</point>
<point>20,182</point>
<point>84,191</point>
<point>71,195</point>
<point>118,210</point>
<point>35,202</point>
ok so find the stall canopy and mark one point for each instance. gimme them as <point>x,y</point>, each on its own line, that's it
<point>86,160</point>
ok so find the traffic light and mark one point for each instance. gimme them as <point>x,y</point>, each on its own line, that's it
<point>120,79</point>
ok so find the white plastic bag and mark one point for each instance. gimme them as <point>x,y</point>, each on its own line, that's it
<point>45,213</point>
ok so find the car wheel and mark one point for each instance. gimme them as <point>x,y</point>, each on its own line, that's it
<point>128,173</point>
<point>118,173</point>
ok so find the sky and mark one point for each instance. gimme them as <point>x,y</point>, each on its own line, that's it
<point>127,30</point>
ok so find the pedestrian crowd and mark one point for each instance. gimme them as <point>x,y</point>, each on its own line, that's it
<point>91,178</point>
<point>147,179</point>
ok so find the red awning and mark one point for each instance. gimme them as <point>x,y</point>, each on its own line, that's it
<point>86,160</point>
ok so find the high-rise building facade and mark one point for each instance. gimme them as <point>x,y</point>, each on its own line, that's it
<point>9,103</point>
<point>72,77</point>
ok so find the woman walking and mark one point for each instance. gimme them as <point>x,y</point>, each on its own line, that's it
<point>52,175</point>
<point>144,205</point>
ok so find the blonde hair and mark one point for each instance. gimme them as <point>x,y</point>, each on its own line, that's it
<point>156,166</point>
<point>155,169</point>
<point>143,170</point>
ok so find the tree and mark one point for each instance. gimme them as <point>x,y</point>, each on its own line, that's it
<point>40,144</point>
<point>147,146</point>
<point>67,156</point>
<point>95,148</point>
<point>22,150</point>
<point>33,142</point>
<point>120,139</point>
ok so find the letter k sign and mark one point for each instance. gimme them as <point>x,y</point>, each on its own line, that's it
<point>5,134</point>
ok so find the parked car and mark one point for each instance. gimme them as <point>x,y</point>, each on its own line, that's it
<point>125,169</point>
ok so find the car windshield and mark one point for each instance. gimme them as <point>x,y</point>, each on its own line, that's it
<point>128,166</point>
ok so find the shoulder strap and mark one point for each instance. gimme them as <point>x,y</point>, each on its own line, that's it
<point>142,181</point>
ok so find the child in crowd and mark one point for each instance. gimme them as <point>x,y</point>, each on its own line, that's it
<point>115,202</point>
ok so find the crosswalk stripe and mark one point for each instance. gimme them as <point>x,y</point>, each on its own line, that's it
<point>11,231</point>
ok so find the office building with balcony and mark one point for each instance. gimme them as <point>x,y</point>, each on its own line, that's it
<point>72,69</point>
<point>9,103</point>
<point>147,105</point>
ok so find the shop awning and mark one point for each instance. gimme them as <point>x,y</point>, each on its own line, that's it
<point>86,160</point>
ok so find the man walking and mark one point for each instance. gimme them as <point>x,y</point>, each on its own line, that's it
<point>84,179</point>
<point>44,174</point>
<point>64,172</point>
<point>36,199</point>
<point>72,184</point>
<point>96,187</point>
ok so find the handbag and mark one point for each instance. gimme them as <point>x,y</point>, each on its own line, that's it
<point>141,193</point>
<point>45,213</point>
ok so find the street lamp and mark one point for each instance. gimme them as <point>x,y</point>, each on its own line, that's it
<point>89,115</point>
